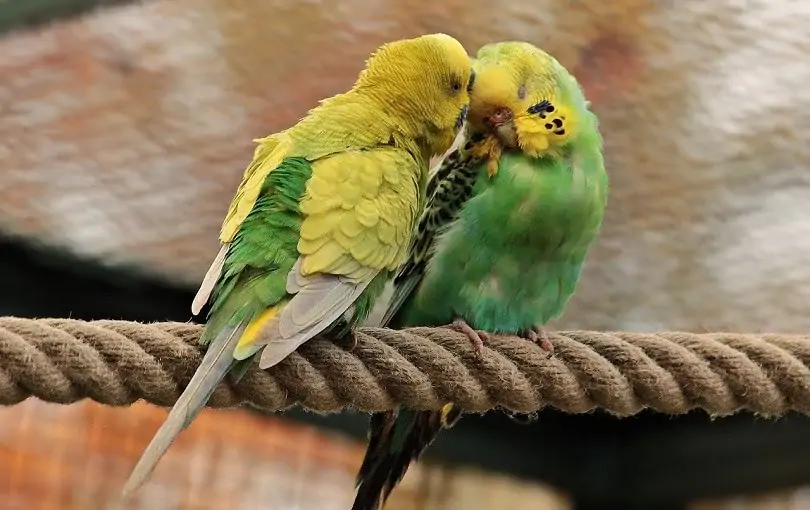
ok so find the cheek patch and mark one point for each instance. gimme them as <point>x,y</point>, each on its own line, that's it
<point>555,119</point>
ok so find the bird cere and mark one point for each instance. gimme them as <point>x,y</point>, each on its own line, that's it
<point>335,207</point>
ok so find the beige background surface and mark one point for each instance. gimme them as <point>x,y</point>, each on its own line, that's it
<point>124,134</point>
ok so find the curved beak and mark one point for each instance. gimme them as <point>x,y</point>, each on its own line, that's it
<point>499,117</point>
<point>502,125</point>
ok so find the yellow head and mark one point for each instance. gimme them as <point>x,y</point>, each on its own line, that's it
<point>523,98</point>
<point>423,85</point>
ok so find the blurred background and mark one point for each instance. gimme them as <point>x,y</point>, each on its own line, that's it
<point>124,131</point>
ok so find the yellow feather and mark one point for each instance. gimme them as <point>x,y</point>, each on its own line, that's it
<point>350,225</point>
<point>311,246</point>
<point>319,205</point>
<point>404,234</point>
<point>319,186</point>
<point>246,348</point>
<point>382,258</point>
<point>351,194</point>
<point>320,225</point>
<point>346,262</point>
<point>387,233</point>
<point>320,260</point>
<point>357,233</point>
<point>371,182</point>
<point>398,259</point>
<point>365,246</point>
<point>346,242</point>
<point>353,267</point>
<point>368,213</point>
<point>391,176</point>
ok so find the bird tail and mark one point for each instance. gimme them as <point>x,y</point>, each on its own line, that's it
<point>396,438</point>
<point>217,361</point>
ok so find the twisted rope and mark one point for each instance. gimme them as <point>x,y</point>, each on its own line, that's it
<point>117,363</point>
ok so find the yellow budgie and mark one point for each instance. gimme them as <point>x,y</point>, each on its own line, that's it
<point>323,217</point>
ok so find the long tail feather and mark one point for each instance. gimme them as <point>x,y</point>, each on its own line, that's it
<point>396,438</point>
<point>215,365</point>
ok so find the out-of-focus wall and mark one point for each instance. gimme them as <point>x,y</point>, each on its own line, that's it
<point>125,133</point>
<point>77,457</point>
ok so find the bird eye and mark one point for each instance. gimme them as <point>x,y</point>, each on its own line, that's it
<point>456,86</point>
<point>471,83</point>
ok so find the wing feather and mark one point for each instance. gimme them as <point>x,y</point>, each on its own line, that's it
<point>355,203</point>
<point>353,208</point>
<point>267,156</point>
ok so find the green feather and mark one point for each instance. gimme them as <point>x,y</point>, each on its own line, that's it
<point>264,250</point>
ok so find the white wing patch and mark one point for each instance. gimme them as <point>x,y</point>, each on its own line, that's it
<point>209,281</point>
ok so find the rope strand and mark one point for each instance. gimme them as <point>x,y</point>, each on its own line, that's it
<point>117,362</point>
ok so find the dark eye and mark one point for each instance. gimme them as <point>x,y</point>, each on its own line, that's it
<point>471,84</point>
<point>456,86</point>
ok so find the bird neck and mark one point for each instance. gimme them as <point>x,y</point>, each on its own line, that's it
<point>405,119</point>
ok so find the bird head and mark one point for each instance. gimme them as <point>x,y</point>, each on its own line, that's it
<point>423,84</point>
<point>523,99</point>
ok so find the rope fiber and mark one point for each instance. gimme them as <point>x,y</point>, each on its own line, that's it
<point>117,363</point>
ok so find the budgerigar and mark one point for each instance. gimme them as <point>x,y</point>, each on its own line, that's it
<point>323,217</point>
<point>510,218</point>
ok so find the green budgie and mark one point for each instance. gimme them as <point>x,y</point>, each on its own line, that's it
<point>500,250</point>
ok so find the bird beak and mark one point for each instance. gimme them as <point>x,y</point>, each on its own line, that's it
<point>499,117</point>
<point>501,122</point>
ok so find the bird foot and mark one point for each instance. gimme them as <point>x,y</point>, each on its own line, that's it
<point>539,336</point>
<point>477,337</point>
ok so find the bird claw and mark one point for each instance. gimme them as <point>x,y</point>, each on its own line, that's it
<point>539,336</point>
<point>477,337</point>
